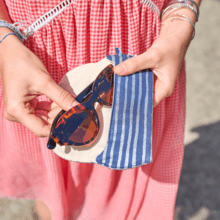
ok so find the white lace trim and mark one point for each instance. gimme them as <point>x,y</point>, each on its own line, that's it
<point>43,20</point>
<point>150,4</point>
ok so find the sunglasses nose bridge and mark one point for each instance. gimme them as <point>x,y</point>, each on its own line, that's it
<point>94,98</point>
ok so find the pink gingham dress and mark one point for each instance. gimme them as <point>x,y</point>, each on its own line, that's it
<point>86,31</point>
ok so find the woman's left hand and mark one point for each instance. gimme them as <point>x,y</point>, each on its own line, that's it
<point>164,57</point>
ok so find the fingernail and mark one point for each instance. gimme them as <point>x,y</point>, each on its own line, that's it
<point>74,104</point>
<point>120,69</point>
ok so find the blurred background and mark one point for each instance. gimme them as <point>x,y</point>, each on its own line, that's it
<point>199,190</point>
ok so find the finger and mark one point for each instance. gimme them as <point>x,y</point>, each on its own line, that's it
<point>9,117</point>
<point>135,64</point>
<point>57,94</point>
<point>162,90</point>
<point>53,113</point>
<point>11,113</point>
<point>29,107</point>
<point>158,92</point>
<point>35,124</point>
<point>31,96</point>
<point>31,121</point>
<point>50,120</point>
<point>43,118</point>
<point>53,105</point>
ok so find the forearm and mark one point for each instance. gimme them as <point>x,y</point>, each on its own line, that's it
<point>4,16</point>
<point>8,45</point>
<point>180,31</point>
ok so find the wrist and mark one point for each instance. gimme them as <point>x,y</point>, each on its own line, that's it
<point>4,31</point>
<point>9,45</point>
<point>173,5</point>
<point>190,14</point>
<point>180,30</point>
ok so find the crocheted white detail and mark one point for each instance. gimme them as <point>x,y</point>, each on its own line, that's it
<point>150,4</point>
<point>43,20</point>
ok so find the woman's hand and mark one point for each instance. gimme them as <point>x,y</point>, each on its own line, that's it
<point>164,57</point>
<point>23,78</point>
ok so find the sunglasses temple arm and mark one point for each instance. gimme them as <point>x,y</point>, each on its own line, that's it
<point>84,94</point>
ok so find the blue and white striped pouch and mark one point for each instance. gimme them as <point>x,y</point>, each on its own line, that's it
<point>128,142</point>
<point>130,135</point>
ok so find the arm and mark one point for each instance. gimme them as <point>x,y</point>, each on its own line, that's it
<point>23,78</point>
<point>4,16</point>
<point>166,54</point>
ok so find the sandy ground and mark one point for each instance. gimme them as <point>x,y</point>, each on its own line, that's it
<point>199,192</point>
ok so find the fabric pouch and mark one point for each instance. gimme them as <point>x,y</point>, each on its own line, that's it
<point>125,137</point>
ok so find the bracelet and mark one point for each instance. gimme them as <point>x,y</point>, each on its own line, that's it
<point>15,29</point>
<point>174,4</point>
<point>6,36</point>
<point>184,18</point>
<point>187,2</point>
<point>179,5</point>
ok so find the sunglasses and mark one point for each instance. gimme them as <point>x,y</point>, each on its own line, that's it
<point>79,126</point>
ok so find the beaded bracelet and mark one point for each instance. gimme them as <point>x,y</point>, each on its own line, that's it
<point>174,4</point>
<point>15,28</point>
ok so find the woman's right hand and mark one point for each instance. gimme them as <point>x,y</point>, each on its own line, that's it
<point>23,78</point>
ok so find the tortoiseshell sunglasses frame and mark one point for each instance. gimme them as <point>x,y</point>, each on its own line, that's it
<point>87,99</point>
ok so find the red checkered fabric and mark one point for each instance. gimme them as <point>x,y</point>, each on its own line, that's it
<point>85,32</point>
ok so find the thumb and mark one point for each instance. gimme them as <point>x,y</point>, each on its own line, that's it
<point>58,95</point>
<point>135,64</point>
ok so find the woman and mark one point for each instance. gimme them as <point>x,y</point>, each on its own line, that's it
<point>85,32</point>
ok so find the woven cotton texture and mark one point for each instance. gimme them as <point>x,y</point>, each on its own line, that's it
<point>130,135</point>
<point>86,32</point>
